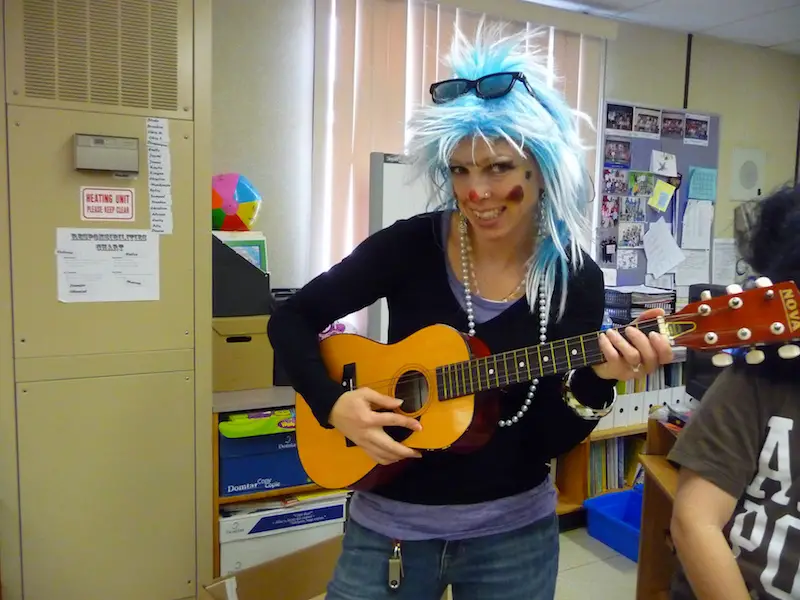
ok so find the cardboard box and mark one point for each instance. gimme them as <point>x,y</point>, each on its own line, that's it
<point>242,355</point>
<point>302,575</point>
<point>252,536</point>
<point>258,452</point>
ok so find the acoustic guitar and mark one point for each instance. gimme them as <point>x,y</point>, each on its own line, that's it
<point>445,379</point>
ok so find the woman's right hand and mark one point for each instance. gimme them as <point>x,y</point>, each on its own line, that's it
<point>355,417</point>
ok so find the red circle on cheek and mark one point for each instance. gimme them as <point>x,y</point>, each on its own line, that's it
<point>516,194</point>
<point>473,196</point>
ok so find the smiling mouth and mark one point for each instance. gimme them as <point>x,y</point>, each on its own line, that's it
<point>488,215</point>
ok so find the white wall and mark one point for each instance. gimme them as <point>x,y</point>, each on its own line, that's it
<point>263,89</point>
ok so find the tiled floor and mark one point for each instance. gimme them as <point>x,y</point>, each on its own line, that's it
<point>589,569</point>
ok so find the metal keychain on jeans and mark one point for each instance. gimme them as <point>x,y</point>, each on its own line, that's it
<point>395,567</point>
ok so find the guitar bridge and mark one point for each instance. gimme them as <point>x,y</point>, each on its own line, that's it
<point>349,384</point>
<point>349,377</point>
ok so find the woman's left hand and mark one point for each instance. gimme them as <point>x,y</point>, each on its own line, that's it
<point>634,357</point>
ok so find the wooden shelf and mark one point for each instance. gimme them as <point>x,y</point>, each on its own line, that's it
<point>615,432</point>
<point>565,507</point>
<point>662,472</point>
<point>267,494</point>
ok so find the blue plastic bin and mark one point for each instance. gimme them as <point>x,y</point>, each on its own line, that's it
<point>615,519</point>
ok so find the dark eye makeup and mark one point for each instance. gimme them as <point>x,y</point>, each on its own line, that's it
<point>495,167</point>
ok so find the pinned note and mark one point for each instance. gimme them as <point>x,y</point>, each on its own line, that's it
<point>702,183</point>
<point>609,277</point>
<point>107,265</point>
<point>664,164</point>
<point>695,269</point>
<point>662,195</point>
<point>662,253</point>
<point>725,260</point>
<point>697,220</point>
<point>159,176</point>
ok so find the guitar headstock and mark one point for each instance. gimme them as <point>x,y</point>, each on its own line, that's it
<point>765,314</point>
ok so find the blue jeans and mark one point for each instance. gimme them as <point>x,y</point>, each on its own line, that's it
<point>520,565</point>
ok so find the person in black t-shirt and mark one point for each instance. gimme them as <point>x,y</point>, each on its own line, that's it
<point>736,522</point>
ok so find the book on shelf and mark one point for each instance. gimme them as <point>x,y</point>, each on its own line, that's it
<point>614,464</point>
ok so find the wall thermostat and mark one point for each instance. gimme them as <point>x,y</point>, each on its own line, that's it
<point>106,153</point>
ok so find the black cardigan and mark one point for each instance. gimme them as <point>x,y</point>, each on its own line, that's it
<point>406,264</point>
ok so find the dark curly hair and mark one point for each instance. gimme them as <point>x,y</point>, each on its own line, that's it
<point>770,246</point>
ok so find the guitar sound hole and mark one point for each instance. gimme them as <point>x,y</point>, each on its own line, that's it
<point>412,389</point>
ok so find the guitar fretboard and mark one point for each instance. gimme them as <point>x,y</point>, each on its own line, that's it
<point>522,365</point>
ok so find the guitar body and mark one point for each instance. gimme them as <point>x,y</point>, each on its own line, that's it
<point>406,371</point>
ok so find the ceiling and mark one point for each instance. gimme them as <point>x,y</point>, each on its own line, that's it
<point>768,23</point>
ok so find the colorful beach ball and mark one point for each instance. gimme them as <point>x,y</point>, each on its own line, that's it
<point>234,203</point>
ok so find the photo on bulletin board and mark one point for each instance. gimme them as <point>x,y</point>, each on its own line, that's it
<point>641,183</point>
<point>609,211</point>
<point>607,242</point>
<point>615,181</point>
<point>647,123</point>
<point>672,125</point>
<point>631,235</point>
<point>619,119</point>
<point>697,130</point>
<point>627,260</point>
<point>617,153</point>
<point>633,209</point>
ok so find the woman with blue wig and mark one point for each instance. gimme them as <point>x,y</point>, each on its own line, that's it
<point>498,259</point>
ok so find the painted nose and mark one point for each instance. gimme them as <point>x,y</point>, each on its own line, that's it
<point>479,192</point>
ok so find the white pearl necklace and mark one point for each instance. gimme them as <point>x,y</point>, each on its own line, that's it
<point>467,270</point>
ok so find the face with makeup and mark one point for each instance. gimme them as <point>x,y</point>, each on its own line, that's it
<point>497,190</point>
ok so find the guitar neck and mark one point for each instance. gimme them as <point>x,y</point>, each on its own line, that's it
<point>525,364</point>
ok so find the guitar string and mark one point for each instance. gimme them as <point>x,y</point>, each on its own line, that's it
<point>507,354</point>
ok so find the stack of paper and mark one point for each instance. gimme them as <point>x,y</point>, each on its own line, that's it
<point>644,294</point>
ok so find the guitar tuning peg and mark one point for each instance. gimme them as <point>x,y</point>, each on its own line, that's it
<point>754,357</point>
<point>734,289</point>
<point>763,282</point>
<point>705,295</point>
<point>789,351</point>
<point>722,359</point>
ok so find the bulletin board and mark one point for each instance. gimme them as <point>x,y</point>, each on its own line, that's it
<point>643,149</point>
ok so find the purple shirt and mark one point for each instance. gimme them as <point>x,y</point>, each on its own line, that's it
<point>403,521</point>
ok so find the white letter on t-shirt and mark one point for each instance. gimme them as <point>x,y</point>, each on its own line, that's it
<point>776,444</point>
<point>737,539</point>
<point>774,556</point>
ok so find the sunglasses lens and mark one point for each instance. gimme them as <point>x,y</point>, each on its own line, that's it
<point>495,86</point>
<point>449,90</point>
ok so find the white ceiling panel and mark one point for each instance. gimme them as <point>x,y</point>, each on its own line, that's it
<point>700,15</point>
<point>769,23</point>
<point>769,29</point>
<point>594,6</point>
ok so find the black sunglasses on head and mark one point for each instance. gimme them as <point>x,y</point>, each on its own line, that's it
<point>487,87</point>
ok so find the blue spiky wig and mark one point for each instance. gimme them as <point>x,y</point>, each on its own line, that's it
<point>541,125</point>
